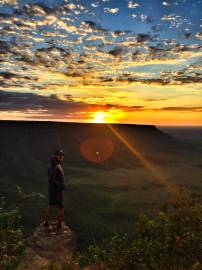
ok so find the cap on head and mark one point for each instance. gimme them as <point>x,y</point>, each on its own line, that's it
<point>59,152</point>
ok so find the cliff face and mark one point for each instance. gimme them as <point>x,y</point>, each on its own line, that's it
<point>50,248</point>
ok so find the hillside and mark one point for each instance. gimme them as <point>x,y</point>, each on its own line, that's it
<point>113,172</point>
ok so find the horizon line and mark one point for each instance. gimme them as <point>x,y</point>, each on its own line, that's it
<point>106,123</point>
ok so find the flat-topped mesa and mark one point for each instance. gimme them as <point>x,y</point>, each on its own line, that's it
<point>37,140</point>
<point>49,247</point>
<point>84,125</point>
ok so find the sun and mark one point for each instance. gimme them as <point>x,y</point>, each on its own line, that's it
<point>99,117</point>
<point>109,116</point>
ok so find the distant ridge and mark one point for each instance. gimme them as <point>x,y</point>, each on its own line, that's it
<point>39,139</point>
<point>67,123</point>
<point>53,124</point>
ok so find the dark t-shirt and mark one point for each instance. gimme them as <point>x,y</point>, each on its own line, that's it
<point>55,177</point>
<point>56,183</point>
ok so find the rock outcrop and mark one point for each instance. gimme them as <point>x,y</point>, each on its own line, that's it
<point>50,249</point>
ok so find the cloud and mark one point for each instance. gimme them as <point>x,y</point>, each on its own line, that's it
<point>63,46</point>
<point>52,104</point>
<point>94,26</point>
<point>155,99</point>
<point>142,18</point>
<point>8,2</point>
<point>174,20</point>
<point>8,75</point>
<point>143,38</point>
<point>118,33</point>
<point>39,9</point>
<point>46,106</point>
<point>117,51</point>
<point>164,3</point>
<point>4,46</point>
<point>199,35</point>
<point>111,10</point>
<point>132,4</point>
<point>173,80</point>
<point>105,79</point>
<point>166,78</point>
<point>182,109</point>
<point>187,35</point>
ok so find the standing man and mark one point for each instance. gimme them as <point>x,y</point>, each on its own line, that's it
<point>56,187</point>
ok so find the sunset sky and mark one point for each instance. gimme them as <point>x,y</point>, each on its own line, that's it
<point>114,61</point>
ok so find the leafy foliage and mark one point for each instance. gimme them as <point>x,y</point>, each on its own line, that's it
<point>172,241</point>
<point>12,240</point>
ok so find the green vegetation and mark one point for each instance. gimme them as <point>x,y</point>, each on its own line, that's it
<point>99,198</point>
<point>12,239</point>
<point>169,242</point>
<point>92,213</point>
<point>172,241</point>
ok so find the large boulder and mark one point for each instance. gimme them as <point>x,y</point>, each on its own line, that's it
<point>48,248</point>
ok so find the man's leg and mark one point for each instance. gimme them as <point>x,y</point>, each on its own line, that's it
<point>60,215</point>
<point>60,208</point>
<point>48,215</point>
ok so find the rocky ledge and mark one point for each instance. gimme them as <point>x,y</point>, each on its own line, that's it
<point>50,249</point>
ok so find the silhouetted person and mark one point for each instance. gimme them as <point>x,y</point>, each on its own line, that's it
<point>56,187</point>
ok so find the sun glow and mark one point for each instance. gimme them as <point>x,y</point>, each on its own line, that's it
<point>99,117</point>
<point>109,116</point>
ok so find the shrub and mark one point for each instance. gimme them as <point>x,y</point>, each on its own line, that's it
<point>12,240</point>
<point>171,241</point>
<point>11,236</point>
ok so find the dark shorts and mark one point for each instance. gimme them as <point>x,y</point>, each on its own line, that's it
<point>56,199</point>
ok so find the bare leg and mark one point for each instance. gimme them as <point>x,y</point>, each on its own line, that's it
<point>60,215</point>
<point>48,214</point>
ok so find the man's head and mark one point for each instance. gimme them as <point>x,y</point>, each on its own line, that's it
<point>59,154</point>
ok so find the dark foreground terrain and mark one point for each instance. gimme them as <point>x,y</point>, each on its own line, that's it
<point>113,172</point>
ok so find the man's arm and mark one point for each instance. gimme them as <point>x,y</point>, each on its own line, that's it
<point>59,179</point>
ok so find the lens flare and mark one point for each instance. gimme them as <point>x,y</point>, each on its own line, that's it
<point>97,149</point>
<point>150,167</point>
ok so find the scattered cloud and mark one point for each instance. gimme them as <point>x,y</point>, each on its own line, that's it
<point>132,4</point>
<point>182,109</point>
<point>77,46</point>
<point>111,10</point>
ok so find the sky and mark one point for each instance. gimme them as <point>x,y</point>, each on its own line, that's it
<point>113,61</point>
